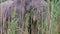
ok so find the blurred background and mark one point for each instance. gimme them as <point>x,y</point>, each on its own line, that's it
<point>29,16</point>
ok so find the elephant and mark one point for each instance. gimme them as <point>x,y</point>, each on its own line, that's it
<point>22,7</point>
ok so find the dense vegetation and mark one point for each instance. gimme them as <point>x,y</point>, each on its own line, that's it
<point>42,20</point>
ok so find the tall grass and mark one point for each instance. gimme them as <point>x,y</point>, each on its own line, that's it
<point>51,24</point>
<point>54,14</point>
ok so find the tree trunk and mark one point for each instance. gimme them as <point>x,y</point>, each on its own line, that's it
<point>49,17</point>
